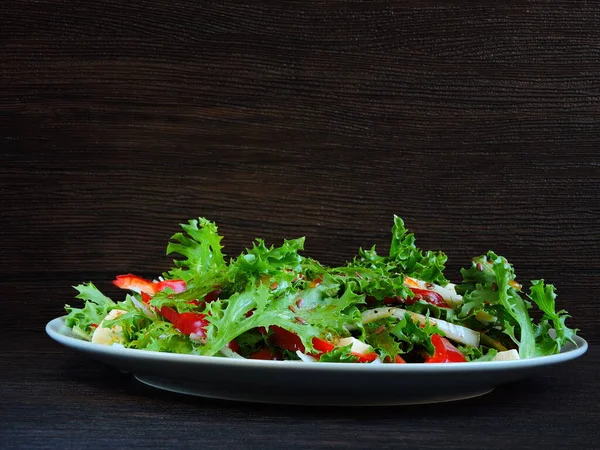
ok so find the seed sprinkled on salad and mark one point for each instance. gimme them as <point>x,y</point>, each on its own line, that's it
<point>274,303</point>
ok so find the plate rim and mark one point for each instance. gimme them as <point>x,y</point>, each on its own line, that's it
<point>56,327</point>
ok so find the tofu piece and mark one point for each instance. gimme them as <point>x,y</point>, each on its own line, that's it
<point>109,336</point>
<point>357,346</point>
<point>508,355</point>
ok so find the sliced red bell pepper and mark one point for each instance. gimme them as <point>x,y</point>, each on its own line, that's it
<point>266,354</point>
<point>322,346</point>
<point>326,347</point>
<point>291,342</point>
<point>365,358</point>
<point>285,339</point>
<point>135,283</point>
<point>370,300</point>
<point>177,286</point>
<point>428,296</point>
<point>208,298</point>
<point>140,284</point>
<point>187,322</point>
<point>445,352</point>
<point>234,346</point>
<point>212,296</point>
<point>146,298</point>
<point>399,360</point>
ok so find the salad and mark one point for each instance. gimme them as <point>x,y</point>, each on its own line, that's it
<point>272,303</point>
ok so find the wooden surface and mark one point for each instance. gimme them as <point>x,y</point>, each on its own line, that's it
<point>71,402</point>
<point>478,124</point>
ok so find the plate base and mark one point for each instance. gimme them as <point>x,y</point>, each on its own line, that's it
<point>196,389</point>
<point>298,383</point>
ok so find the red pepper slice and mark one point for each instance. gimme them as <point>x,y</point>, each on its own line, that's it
<point>266,354</point>
<point>372,300</point>
<point>146,298</point>
<point>234,346</point>
<point>208,298</point>
<point>212,296</point>
<point>285,339</point>
<point>428,296</point>
<point>399,360</point>
<point>291,342</point>
<point>187,322</point>
<point>136,283</point>
<point>177,286</point>
<point>366,357</point>
<point>445,352</point>
<point>322,346</point>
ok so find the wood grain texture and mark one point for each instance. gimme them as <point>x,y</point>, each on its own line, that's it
<point>477,123</point>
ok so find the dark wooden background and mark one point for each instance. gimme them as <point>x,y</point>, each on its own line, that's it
<point>479,124</point>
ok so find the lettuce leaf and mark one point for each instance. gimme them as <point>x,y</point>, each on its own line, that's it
<point>476,354</point>
<point>340,355</point>
<point>543,295</point>
<point>96,307</point>
<point>162,336</point>
<point>490,286</point>
<point>494,281</point>
<point>263,260</point>
<point>251,309</point>
<point>412,261</point>
<point>201,250</point>
<point>378,335</point>
<point>413,335</point>
<point>382,277</point>
<point>377,282</point>
<point>309,313</point>
<point>514,305</point>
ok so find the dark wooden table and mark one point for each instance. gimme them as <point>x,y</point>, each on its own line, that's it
<point>478,124</point>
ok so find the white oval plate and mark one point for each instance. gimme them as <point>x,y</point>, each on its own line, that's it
<point>293,382</point>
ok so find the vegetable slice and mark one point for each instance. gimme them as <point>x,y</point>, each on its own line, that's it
<point>453,331</point>
<point>445,352</point>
